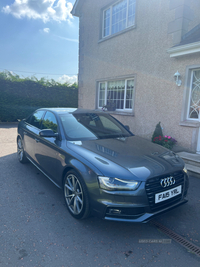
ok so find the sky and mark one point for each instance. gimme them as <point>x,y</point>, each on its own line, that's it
<point>39,38</point>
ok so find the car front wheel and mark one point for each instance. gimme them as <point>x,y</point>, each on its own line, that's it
<point>75,195</point>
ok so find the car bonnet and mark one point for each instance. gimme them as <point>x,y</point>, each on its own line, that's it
<point>138,156</point>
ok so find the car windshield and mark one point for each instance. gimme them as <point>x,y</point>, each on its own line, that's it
<point>88,126</point>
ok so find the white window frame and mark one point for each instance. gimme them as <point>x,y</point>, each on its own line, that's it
<point>185,120</point>
<point>110,28</point>
<point>125,91</point>
<point>189,99</point>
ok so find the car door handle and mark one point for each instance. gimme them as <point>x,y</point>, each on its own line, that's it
<point>37,140</point>
<point>25,133</point>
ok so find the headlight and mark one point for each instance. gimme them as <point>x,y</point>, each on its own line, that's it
<point>185,169</point>
<point>117,184</point>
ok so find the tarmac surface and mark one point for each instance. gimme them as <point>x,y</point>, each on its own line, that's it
<point>37,230</point>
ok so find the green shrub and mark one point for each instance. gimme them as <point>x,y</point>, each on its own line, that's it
<point>157,132</point>
<point>158,138</point>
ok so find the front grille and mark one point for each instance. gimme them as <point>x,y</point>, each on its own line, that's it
<point>153,187</point>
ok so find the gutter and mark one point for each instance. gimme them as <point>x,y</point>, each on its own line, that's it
<point>184,49</point>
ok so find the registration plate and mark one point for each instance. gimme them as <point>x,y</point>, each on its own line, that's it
<point>167,194</point>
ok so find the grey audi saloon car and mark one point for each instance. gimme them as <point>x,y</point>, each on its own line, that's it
<point>102,168</point>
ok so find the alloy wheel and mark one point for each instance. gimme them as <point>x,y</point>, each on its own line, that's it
<point>73,194</point>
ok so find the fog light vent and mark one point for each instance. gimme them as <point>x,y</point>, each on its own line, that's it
<point>114,211</point>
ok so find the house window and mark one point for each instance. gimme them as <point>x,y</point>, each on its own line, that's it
<point>119,92</point>
<point>194,100</point>
<point>118,17</point>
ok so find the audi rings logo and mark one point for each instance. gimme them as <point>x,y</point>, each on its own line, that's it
<point>167,181</point>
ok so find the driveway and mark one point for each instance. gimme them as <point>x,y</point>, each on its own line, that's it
<point>37,230</point>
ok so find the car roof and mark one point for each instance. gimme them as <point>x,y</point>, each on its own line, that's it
<point>70,110</point>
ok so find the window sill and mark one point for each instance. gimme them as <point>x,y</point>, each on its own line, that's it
<point>116,34</point>
<point>122,113</point>
<point>190,123</point>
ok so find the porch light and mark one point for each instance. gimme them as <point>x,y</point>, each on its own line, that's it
<point>177,78</point>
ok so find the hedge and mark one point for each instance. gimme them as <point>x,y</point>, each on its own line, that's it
<point>20,97</point>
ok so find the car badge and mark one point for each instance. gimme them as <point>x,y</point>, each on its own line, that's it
<point>165,182</point>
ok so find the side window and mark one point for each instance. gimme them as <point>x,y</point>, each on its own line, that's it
<point>50,122</point>
<point>36,118</point>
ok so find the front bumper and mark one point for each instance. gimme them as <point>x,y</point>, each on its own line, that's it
<point>144,218</point>
<point>139,205</point>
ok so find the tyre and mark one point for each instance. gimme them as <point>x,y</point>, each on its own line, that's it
<point>76,195</point>
<point>20,151</point>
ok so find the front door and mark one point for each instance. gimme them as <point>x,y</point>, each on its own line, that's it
<point>48,149</point>
<point>194,101</point>
<point>31,133</point>
<point>198,143</point>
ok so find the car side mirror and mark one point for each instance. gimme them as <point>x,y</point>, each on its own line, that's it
<point>48,133</point>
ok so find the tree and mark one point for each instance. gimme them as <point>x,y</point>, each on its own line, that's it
<point>158,132</point>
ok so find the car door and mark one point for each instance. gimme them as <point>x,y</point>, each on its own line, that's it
<point>31,132</point>
<point>47,149</point>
